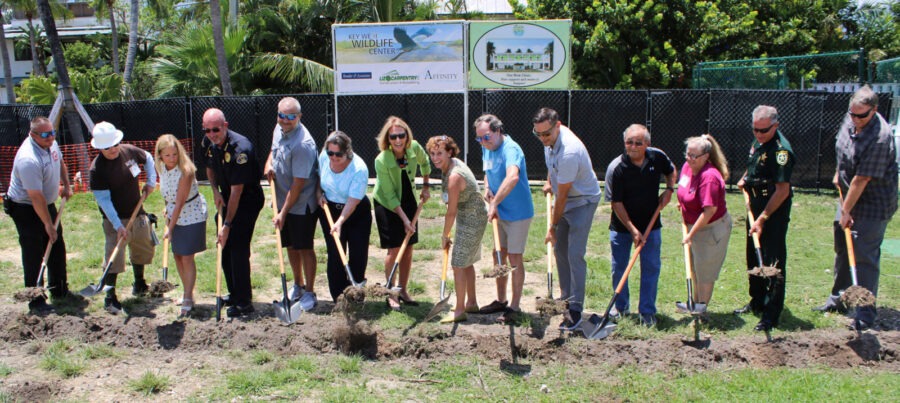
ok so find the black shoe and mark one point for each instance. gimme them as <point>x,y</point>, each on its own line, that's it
<point>39,305</point>
<point>859,325</point>
<point>829,308</point>
<point>763,326</point>
<point>226,300</point>
<point>139,288</point>
<point>112,305</point>
<point>746,309</point>
<point>237,311</point>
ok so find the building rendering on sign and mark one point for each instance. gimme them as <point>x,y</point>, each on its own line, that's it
<point>519,60</point>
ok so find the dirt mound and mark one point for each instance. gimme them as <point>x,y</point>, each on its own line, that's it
<point>30,294</point>
<point>856,296</point>
<point>550,307</point>
<point>160,287</point>
<point>33,391</point>
<point>356,337</point>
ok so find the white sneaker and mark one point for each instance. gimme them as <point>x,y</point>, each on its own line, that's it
<point>308,301</point>
<point>297,292</point>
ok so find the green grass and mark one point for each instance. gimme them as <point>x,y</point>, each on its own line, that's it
<point>99,351</point>
<point>5,370</point>
<point>150,384</point>
<point>260,357</point>
<point>61,358</point>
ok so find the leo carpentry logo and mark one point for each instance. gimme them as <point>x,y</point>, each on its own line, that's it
<point>394,77</point>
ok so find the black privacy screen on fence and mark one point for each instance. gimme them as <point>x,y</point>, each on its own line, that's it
<point>809,120</point>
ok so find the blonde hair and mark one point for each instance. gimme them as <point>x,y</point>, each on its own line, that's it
<point>184,163</point>
<point>710,146</point>
<point>383,139</point>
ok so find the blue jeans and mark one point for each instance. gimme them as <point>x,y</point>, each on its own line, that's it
<point>620,246</point>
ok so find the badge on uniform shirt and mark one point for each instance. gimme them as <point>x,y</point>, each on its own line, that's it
<point>762,158</point>
<point>242,158</point>
<point>54,155</point>
<point>781,157</point>
<point>227,157</point>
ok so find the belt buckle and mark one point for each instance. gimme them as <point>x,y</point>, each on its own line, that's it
<point>338,206</point>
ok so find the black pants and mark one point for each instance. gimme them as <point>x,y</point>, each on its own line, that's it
<point>355,241</point>
<point>236,253</point>
<point>33,240</point>
<point>767,293</point>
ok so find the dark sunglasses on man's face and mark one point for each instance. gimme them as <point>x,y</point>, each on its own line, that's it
<point>44,135</point>
<point>214,130</point>
<point>287,116</point>
<point>763,130</point>
<point>397,136</point>
<point>338,154</point>
<point>860,115</point>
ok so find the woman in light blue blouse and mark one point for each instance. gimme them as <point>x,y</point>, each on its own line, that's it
<point>342,189</point>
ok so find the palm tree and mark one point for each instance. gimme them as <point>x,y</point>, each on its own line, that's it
<point>215,16</point>
<point>108,6</point>
<point>187,66</point>
<point>132,45</point>
<point>7,69</point>
<point>549,50</point>
<point>490,51</point>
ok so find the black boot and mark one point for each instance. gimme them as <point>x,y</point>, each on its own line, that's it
<point>111,303</point>
<point>140,285</point>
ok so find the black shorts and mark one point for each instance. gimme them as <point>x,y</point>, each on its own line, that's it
<point>298,231</point>
<point>390,227</point>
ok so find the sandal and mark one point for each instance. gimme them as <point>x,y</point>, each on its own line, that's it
<point>393,307</point>
<point>186,305</point>
<point>472,309</point>
<point>493,307</point>
<point>408,301</point>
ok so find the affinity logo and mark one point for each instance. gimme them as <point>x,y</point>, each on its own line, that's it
<point>395,76</point>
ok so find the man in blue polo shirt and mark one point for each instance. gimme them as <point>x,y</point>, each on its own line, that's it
<point>507,191</point>
<point>632,186</point>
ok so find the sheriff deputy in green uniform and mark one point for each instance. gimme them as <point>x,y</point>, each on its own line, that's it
<point>767,180</point>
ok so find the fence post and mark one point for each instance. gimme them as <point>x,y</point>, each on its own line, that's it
<point>861,63</point>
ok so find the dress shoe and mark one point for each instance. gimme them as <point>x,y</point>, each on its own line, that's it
<point>237,311</point>
<point>746,309</point>
<point>828,307</point>
<point>763,326</point>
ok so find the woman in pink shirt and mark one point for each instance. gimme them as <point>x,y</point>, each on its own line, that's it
<point>701,198</point>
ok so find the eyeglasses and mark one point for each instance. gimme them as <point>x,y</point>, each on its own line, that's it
<point>338,154</point>
<point>693,156</point>
<point>44,135</point>
<point>109,148</point>
<point>766,130</point>
<point>486,137</point>
<point>542,134</point>
<point>214,130</point>
<point>397,136</point>
<point>287,116</point>
<point>634,143</point>
<point>861,115</point>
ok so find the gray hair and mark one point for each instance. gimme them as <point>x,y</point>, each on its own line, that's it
<point>864,96</point>
<point>637,127</point>
<point>494,123</point>
<point>342,140</point>
<point>765,112</point>
<point>38,121</point>
<point>290,102</point>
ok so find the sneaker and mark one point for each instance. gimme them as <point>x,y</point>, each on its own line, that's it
<point>648,319</point>
<point>112,305</point>
<point>297,292</point>
<point>572,322</point>
<point>681,307</point>
<point>309,301</point>
<point>237,311</point>
<point>139,288</point>
<point>39,305</point>
<point>614,313</point>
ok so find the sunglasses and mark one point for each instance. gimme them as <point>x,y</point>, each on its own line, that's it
<point>397,136</point>
<point>214,130</point>
<point>287,116</point>
<point>634,143</point>
<point>44,135</point>
<point>860,115</point>
<point>693,156</point>
<point>766,130</point>
<point>486,137</point>
<point>338,154</point>
<point>542,134</point>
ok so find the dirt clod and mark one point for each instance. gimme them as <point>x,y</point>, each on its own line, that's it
<point>356,337</point>
<point>856,296</point>
<point>765,271</point>
<point>30,294</point>
<point>499,270</point>
<point>160,287</point>
<point>380,291</point>
<point>550,307</point>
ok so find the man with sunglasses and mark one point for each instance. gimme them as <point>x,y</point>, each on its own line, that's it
<point>509,197</point>
<point>30,201</point>
<point>768,182</point>
<point>632,187</point>
<point>866,174</point>
<point>234,176</point>
<point>115,185</point>
<point>292,164</point>
<point>571,178</point>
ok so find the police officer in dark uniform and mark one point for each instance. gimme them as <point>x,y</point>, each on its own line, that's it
<point>234,176</point>
<point>767,180</point>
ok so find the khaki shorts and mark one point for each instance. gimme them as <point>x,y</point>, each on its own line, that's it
<point>140,244</point>
<point>708,249</point>
<point>514,235</point>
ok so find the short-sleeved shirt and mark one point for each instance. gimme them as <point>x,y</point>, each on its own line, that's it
<point>568,162</point>
<point>351,182</point>
<point>120,178</point>
<point>388,186</point>
<point>637,187</point>
<point>696,192</point>
<point>518,204</point>
<point>194,209</point>
<point>35,168</point>
<point>235,163</point>
<point>767,165</point>
<point>870,153</point>
<point>294,156</point>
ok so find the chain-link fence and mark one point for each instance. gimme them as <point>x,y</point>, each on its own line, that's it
<point>887,71</point>
<point>789,72</point>
<point>809,119</point>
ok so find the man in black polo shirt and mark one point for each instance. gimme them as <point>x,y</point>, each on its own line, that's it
<point>632,186</point>
<point>234,176</point>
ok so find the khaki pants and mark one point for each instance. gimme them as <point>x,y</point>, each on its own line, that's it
<point>708,249</point>
<point>140,244</point>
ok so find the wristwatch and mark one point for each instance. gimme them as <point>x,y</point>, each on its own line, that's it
<point>226,223</point>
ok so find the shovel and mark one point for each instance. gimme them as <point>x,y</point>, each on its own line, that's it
<point>219,301</point>
<point>92,289</point>
<point>390,279</point>
<point>549,251</point>
<point>598,328</point>
<point>337,243</point>
<point>500,269</point>
<point>444,303</point>
<point>761,270</point>
<point>40,276</point>
<point>688,266</point>
<point>284,310</point>
<point>855,295</point>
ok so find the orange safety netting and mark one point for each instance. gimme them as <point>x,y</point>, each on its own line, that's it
<point>78,158</point>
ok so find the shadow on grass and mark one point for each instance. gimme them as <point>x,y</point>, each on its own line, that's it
<point>788,322</point>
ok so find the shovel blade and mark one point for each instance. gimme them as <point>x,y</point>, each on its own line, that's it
<point>219,304</point>
<point>438,308</point>
<point>93,290</point>
<point>166,274</point>
<point>287,312</point>
<point>596,329</point>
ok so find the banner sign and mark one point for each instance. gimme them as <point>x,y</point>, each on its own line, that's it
<point>520,54</point>
<point>399,57</point>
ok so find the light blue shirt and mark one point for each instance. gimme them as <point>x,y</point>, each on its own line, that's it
<point>517,205</point>
<point>351,182</point>
<point>568,162</point>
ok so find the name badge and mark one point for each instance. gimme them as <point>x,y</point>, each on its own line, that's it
<point>133,167</point>
<point>684,181</point>
<point>487,165</point>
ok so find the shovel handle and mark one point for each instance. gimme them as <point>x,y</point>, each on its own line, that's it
<point>409,234</point>
<point>277,231</point>
<point>444,264</point>
<point>637,252</point>
<point>62,204</point>
<point>218,258</point>
<point>496,237</point>
<point>549,245</point>
<point>337,239</point>
<point>687,253</point>
<point>751,219</point>
<point>848,237</point>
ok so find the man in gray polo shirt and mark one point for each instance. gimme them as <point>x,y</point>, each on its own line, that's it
<point>292,163</point>
<point>571,178</point>
<point>33,190</point>
<point>867,175</point>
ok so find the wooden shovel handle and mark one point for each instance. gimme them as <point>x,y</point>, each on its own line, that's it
<point>750,218</point>
<point>121,242</point>
<point>549,224</point>
<point>409,234</point>
<point>277,231</point>
<point>496,236</point>
<point>637,251</point>
<point>848,236</point>
<point>337,239</point>
<point>687,253</point>
<point>445,263</point>
<point>62,204</point>
<point>218,256</point>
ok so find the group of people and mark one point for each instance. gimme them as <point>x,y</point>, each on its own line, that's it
<point>307,181</point>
